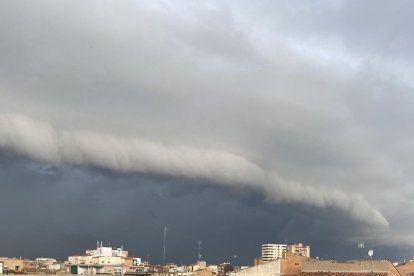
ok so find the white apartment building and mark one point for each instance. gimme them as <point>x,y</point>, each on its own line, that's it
<point>299,249</point>
<point>271,251</point>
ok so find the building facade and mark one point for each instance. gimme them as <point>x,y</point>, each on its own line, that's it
<point>271,268</point>
<point>312,267</point>
<point>102,260</point>
<point>299,249</point>
<point>272,251</point>
<point>12,265</point>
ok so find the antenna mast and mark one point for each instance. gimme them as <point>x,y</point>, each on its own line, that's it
<point>199,249</point>
<point>165,235</point>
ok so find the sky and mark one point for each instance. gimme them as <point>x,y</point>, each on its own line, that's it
<point>232,122</point>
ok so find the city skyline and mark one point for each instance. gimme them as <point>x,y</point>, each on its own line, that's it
<point>237,123</point>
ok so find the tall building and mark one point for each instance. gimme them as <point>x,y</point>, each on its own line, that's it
<point>271,251</point>
<point>299,249</point>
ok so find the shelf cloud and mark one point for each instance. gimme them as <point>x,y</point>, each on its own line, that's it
<point>42,142</point>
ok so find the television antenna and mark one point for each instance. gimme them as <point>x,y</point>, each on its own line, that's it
<point>361,246</point>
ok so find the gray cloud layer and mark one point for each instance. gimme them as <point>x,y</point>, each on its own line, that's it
<point>40,141</point>
<point>305,102</point>
<point>61,210</point>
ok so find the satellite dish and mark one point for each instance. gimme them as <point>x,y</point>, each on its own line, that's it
<point>371,253</point>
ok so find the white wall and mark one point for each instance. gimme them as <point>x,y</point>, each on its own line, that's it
<point>268,269</point>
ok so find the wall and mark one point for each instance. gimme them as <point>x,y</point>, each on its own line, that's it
<point>406,268</point>
<point>360,267</point>
<point>344,274</point>
<point>268,269</point>
<point>204,272</point>
<point>291,264</point>
<point>12,264</point>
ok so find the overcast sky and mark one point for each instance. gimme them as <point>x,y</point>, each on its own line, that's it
<point>234,122</point>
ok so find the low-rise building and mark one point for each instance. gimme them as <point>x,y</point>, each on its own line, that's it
<point>12,265</point>
<point>406,268</point>
<point>102,260</point>
<point>291,264</point>
<point>271,268</point>
<point>312,267</point>
<point>288,265</point>
<point>135,265</point>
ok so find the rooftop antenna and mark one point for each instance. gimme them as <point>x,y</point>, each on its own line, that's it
<point>361,245</point>
<point>165,235</point>
<point>199,249</point>
<point>370,254</point>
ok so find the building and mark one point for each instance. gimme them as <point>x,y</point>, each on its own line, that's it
<point>299,249</point>
<point>257,261</point>
<point>312,267</point>
<point>406,268</point>
<point>271,251</point>
<point>135,265</point>
<point>48,264</point>
<point>288,265</point>
<point>107,251</point>
<point>12,265</point>
<point>291,264</point>
<point>296,265</point>
<point>102,260</point>
<point>271,268</point>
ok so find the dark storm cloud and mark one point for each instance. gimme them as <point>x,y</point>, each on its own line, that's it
<point>305,103</point>
<point>132,155</point>
<point>58,212</point>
